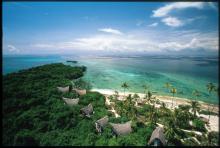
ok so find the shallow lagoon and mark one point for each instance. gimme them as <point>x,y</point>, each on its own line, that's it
<point>184,73</point>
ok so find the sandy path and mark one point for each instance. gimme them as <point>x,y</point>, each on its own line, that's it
<point>108,102</point>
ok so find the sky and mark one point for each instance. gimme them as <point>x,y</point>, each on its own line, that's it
<point>114,28</point>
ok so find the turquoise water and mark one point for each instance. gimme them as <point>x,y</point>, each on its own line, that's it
<point>185,74</point>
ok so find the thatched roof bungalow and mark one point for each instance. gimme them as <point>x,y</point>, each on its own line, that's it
<point>63,89</point>
<point>71,102</point>
<point>204,119</point>
<point>101,123</point>
<point>157,138</point>
<point>80,91</point>
<point>121,129</point>
<point>87,111</point>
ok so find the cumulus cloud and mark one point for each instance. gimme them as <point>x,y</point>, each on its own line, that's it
<point>153,24</point>
<point>140,42</point>
<point>172,21</point>
<point>165,10</point>
<point>13,49</point>
<point>110,30</point>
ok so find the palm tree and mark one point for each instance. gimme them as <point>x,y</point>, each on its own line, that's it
<point>210,87</point>
<point>163,105</point>
<point>173,91</point>
<point>154,115</point>
<point>111,98</point>
<point>125,86</point>
<point>129,107</point>
<point>116,95</point>
<point>168,86</point>
<point>171,131</point>
<point>196,93</point>
<point>149,97</point>
<point>136,96</point>
<point>145,86</point>
<point>195,107</point>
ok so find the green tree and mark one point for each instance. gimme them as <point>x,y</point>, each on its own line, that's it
<point>171,130</point>
<point>210,87</point>
<point>196,93</point>
<point>145,86</point>
<point>116,95</point>
<point>149,97</point>
<point>136,96</point>
<point>167,86</point>
<point>124,86</point>
<point>173,91</point>
<point>195,107</point>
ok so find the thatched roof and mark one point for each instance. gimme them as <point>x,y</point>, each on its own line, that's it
<point>101,123</point>
<point>122,129</point>
<point>204,119</point>
<point>80,91</point>
<point>157,134</point>
<point>88,110</point>
<point>71,101</point>
<point>63,89</point>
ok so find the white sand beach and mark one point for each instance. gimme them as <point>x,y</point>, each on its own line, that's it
<point>213,122</point>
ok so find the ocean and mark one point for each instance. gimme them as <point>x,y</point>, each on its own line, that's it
<point>184,73</point>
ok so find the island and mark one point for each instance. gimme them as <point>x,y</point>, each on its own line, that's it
<point>70,61</point>
<point>51,105</point>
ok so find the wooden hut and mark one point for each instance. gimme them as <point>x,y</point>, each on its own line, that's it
<point>71,102</point>
<point>87,111</point>
<point>157,137</point>
<point>63,89</point>
<point>80,91</point>
<point>101,123</point>
<point>121,129</point>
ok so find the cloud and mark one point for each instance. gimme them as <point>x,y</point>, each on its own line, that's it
<point>153,24</point>
<point>172,21</point>
<point>139,23</point>
<point>110,30</point>
<point>165,10</point>
<point>42,45</point>
<point>146,42</point>
<point>13,49</point>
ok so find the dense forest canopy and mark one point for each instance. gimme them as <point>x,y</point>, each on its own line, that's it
<point>35,114</point>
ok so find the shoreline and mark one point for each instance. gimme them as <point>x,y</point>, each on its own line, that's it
<point>214,119</point>
<point>163,98</point>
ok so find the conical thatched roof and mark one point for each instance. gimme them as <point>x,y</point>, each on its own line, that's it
<point>88,110</point>
<point>80,91</point>
<point>71,101</point>
<point>157,135</point>
<point>101,123</point>
<point>63,89</point>
<point>204,119</point>
<point>122,129</point>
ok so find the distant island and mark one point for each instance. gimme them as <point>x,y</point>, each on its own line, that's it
<point>70,61</point>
